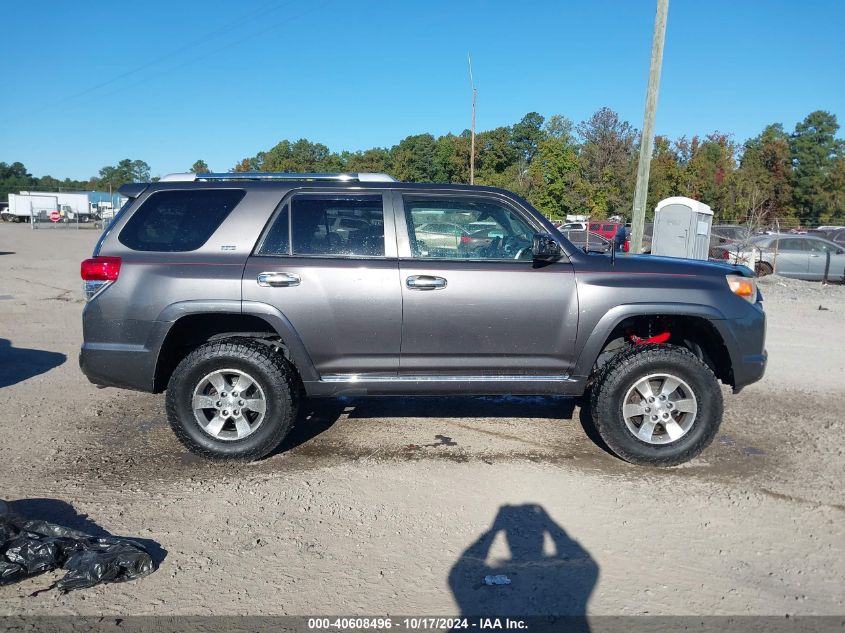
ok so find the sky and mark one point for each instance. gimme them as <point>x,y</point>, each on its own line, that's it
<point>87,84</point>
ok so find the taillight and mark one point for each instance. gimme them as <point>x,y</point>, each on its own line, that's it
<point>97,273</point>
<point>100,269</point>
<point>465,239</point>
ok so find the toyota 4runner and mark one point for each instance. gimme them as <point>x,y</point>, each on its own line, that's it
<point>239,294</point>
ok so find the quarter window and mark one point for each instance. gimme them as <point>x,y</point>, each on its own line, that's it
<point>466,228</point>
<point>178,221</point>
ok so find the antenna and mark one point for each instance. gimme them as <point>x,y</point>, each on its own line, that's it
<point>472,134</point>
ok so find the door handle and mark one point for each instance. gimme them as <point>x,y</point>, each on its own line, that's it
<point>278,280</point>
<point>425,282</point>
<point>814,255</point>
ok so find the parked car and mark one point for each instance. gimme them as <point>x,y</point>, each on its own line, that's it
<point>588,241</point>
<point>729,233</point>
<point>239,307</point>
<point>573,226</point>
<point>796,256</point>
<point>836,235</point>
<point>442,235</point>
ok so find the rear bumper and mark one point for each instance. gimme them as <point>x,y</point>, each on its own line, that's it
<point>118,365</point>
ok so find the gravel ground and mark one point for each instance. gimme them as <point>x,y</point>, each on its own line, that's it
<point>403,505</point>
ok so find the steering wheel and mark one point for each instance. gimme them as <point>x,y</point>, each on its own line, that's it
<point>523,250</point>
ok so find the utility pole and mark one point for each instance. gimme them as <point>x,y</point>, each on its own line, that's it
<point>647,140</point>
<point>472,133</point>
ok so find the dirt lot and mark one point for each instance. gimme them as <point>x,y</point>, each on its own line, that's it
<point>403,505</point>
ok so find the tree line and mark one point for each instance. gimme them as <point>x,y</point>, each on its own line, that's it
<point>791,178</point>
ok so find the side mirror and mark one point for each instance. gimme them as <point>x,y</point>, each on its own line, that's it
<point>545,248</point>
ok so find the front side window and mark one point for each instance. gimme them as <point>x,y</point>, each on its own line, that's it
<point>178,221</point>
<point>466,228</point>
<point>821,247</point>
<point>792,244</point>
<point>327,225</point>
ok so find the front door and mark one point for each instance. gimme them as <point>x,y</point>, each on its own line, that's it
<point>480,306</point>
<point>328,263</point>
<point>792,257</point>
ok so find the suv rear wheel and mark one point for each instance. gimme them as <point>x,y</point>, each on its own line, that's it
<point>232,399</point>
<point>657,405</point>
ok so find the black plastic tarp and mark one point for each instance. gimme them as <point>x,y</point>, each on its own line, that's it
<point>32,546</point>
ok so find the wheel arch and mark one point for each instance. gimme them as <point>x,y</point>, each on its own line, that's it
<point>186,325</point>
<point>695,324</point>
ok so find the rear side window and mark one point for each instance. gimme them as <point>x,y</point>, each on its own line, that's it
<point>178,221</point>
<point>327,225</point>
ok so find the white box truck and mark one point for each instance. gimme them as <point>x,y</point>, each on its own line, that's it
<point>72,207</point>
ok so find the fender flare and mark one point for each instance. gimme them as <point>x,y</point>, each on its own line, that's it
<point>272,316</point>
<point>593,345</point>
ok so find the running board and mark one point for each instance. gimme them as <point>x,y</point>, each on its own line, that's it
<point>362,384</point>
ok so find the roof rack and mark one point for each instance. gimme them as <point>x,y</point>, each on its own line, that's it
<point>258,175</point>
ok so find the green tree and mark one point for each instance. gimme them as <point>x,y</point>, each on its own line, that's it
<point>414,158</point>
<point>607,160</point>
<point>371,160</point>
<point>14,178</point>
<point>125,171</point>
<point>833,201</point>
<point>709,167</point>
<point>665,174</point>
<point>527,134</point>
<point>814,149</point>
<point>200,167</point>
<point>763,184</point>
<point>557,187</point>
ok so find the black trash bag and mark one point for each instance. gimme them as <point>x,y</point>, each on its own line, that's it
<point>29,547</point>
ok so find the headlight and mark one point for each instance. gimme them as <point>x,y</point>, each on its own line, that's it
<point>744,287</point>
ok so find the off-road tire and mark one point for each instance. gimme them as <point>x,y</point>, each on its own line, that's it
<point>623,371</point>
<point>276,377</point>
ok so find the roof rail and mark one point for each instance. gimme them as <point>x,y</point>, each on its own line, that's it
<point>257,175</point>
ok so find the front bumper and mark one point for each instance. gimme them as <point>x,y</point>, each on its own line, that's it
<point>745,338</point>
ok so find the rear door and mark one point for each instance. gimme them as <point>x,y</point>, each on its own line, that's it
<point>338,287</point>
<point>818,260</point>
<point>481,312</point>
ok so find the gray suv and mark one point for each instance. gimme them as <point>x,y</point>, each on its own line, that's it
<point>239,294</point>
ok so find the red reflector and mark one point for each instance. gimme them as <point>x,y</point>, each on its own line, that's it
<point>100,269</point>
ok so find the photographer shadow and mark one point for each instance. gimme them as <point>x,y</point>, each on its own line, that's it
<point>550,573</point>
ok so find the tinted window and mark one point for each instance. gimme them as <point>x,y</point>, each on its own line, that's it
<point>277,239</point>
<point>820,247</point>
<point>793,244</point>
<point>341,225</point>
<point>447,228</point>
<point>171,221</point>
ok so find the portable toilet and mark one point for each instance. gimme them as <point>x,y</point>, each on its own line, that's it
<point>682,228</point>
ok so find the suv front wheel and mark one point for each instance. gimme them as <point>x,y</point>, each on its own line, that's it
<point>657,405</point>
<point>232,399</point>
